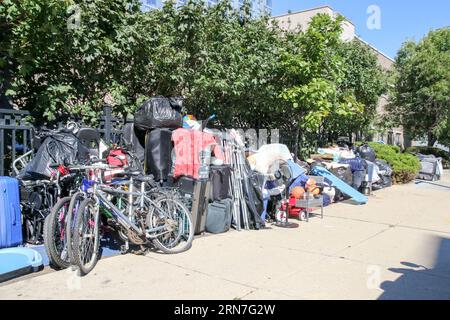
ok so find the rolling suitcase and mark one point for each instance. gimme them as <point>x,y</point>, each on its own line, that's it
<point>10,214</point>
<point>195,194</point>
<point>158,153</point>
<point>200,205</point>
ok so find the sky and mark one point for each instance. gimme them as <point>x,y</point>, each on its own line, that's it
<point>400,20</point>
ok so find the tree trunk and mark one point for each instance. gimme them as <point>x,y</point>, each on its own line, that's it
<point>431,139</point>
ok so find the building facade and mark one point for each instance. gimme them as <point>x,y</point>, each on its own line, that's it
<point>259,7</point>
<point>301,20</point>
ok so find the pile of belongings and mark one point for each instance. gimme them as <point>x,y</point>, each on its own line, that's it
<point>360,169</point>
<point>333,153</point>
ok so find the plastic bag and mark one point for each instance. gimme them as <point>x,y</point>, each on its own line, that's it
<point>367,153</point>
<point>159,112</point>
<point>58,147</point>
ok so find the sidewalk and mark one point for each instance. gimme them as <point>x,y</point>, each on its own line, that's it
<point>396,247</point>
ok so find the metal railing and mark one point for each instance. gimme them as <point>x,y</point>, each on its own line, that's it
<point>16,134</point>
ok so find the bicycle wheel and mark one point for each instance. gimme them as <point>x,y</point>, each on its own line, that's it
<point>86,236</point>
<point>55,235</point>
<point>175,217</point>
<point>72,212</point>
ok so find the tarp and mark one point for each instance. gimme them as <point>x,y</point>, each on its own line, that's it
<point>268,157</point>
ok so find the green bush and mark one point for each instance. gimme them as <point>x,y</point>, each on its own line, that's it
<point>432,151</point>
<point>405,166</point>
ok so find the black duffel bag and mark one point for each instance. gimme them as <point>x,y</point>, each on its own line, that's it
<point>158,153</point>
<point>159,112</point>
<point>220,181</point>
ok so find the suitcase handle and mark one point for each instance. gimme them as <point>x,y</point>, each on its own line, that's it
<point>14,214</point>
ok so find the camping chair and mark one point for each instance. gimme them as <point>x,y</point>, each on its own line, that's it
<point>309,203</point>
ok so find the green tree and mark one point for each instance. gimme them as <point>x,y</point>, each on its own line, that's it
<point>422,87</point>
<point>67,56</point>
<point>315,75</point>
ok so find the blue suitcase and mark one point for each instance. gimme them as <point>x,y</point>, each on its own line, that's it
<point>10,215</point>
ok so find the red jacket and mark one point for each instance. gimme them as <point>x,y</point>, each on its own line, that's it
<point>188,144</point>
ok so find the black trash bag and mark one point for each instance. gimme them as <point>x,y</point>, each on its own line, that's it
<point>367,153</point>
<point>384,168</point>
<point>343,173</point>
<point>57,147</point>
<point>385,173</point>
<point>159,112</point>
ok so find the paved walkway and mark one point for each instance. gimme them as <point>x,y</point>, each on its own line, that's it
<point>396,247</point>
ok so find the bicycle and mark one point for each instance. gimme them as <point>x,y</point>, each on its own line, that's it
<point>147,218</point>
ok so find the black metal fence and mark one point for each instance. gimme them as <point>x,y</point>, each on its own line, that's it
<point>16,134</point>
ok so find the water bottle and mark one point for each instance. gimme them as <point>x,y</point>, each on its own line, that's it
<point>205,158</point>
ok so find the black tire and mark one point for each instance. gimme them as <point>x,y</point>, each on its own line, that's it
<point>75,203</point>
<point>85,229</point>
<point>160,242</point>
<point>55,235</point>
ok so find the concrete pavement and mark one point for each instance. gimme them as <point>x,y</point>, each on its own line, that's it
<point>396,247</point>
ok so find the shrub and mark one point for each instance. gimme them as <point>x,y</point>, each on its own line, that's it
<point>432,151</point>
<point>405,166</point>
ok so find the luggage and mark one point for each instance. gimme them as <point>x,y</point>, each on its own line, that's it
<point>16,262</point>
<point>220,182</point>
<point>158,153</point>
<point>200,205</point>
<point>367,153</point>
<point>10,214</point>
<point>185,185</point>
<point>218,219</point>
<point>159,112</point>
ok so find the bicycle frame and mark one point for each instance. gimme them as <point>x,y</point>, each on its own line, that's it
<point>100,194</point>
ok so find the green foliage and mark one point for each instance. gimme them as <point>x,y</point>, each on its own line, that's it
<point>432,151</point>
<point>332,87</point>
<point>422,87</point>
<point>62,57</point>
<point>405,166</point>
<point>65,55</point>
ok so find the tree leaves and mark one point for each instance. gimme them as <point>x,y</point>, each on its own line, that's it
<point>422,87</point>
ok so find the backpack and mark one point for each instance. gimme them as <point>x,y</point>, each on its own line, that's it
<point>117,157</point>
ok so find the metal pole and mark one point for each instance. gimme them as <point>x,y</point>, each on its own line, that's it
<point>107,111</point>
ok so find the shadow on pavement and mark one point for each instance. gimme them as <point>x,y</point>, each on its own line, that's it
<point>418,282</point>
